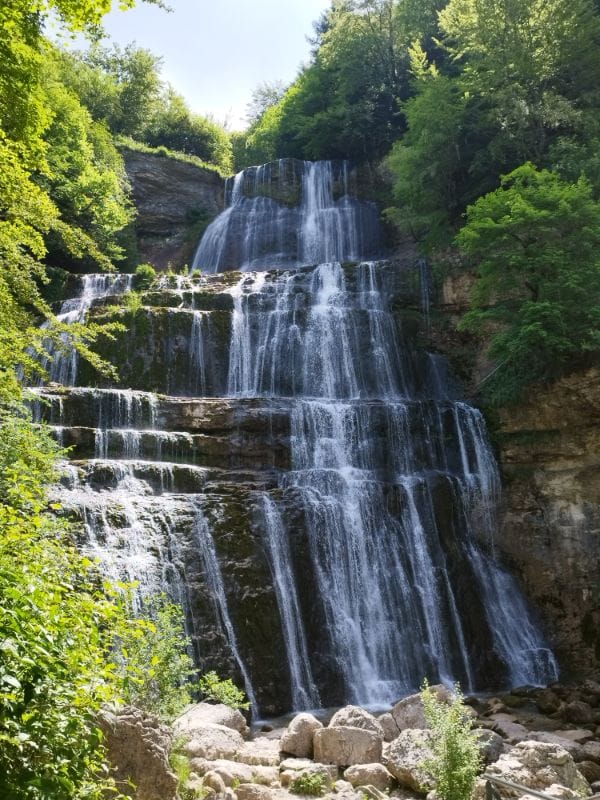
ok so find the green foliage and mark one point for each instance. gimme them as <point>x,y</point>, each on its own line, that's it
<point>174,126</point>
<point>456,760</point>
<point>153,660</point>
<point>56,625</point>
<point>346,102</point>
<point>61,185</point>
<point>145,275</point>
<point>536,241</point>
<point>68,641</point>
<point>425,163</point>
<point>313,784</point>
<point>86,180</point>
<point>27,459</point>
<point>514,81</point>
<point>222,691</point>
<point>123,90</point>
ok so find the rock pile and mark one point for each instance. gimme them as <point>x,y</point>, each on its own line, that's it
<point>531,737</point>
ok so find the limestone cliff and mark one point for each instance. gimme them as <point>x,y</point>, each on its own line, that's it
<point>550,455</point>
<point>174,200</point>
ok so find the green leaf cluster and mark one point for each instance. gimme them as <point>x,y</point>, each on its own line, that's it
<point>516,81</point>
<point>122,89</point>
<point>153,661</point>
<point>456,759</point>
<point>346,103</point>
<point>312,784</point>
<point>62,185</point>
<point>222,691</point>
<point>536,243</point>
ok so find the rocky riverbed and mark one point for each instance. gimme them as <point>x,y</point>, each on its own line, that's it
<point>545,739</point>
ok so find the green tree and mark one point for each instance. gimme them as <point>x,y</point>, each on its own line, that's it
<point>426,164</point>
<point>85,179</point>
<point>530,67</point>
<point>346,103</point>
<point>176,127</point>
<point>536,242</point>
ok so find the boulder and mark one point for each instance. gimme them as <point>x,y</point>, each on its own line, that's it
<point>537,765</point>
<point>138,751</point>
<point>372,793</point>
<point>369,774</point>
<point>390,729</point>
<point>491,744</point>
<point>356,717</point>
<point>213,714</point>
<point>557,791</point>
<point>346,746</point>
<point>252,791</point>
<point>230,771</point>
<point>212,780</point>
<point>592,751</point>
<point>578,712</point>
<point>592,687</point>
<point>298,739</point>
<point>575,734</point>
<point>261,751</point>
<point>590,771</point>
<point>506,725</point>
<point>405,757</point>
<point>408,713</point>
<point>574,749</point>
<point>548,701</point>
<point>212,742</point>
<point>342,786</point>
<point>266,776</point>
<point>301,766</point>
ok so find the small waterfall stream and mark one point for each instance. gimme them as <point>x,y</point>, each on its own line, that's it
<point>323,504</point>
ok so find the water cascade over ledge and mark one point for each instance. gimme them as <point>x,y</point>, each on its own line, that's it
<point>289,213</point>
<point>315,492</point>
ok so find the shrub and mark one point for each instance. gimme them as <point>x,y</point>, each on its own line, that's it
<point>145,275</point>
<point>222,691</point>
<point>310,783</point>
<point>456,759</point>
<point>153,658</point>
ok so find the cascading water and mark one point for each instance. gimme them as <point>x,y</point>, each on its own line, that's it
<point>324,507</point>
<point>289,213</point>
<point>62,362</point>
<point>395,481</point>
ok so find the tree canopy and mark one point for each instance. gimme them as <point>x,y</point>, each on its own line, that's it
<point>536,242</point>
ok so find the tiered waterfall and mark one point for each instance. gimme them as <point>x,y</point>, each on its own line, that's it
<point>293,468</point>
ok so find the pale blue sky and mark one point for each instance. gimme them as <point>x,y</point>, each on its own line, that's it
<point>216,51</point>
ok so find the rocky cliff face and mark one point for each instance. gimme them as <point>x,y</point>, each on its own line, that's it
<point>175,200</point>
<point>549,452</point>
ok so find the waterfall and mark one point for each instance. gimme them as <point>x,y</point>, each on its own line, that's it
<point>304,690</point>
<point>406,592</point>
<point>289,213</point>
<point>324,505</point>
<point>62,360</point>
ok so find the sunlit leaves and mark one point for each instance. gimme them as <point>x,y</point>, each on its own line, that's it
<point>536,242</point>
